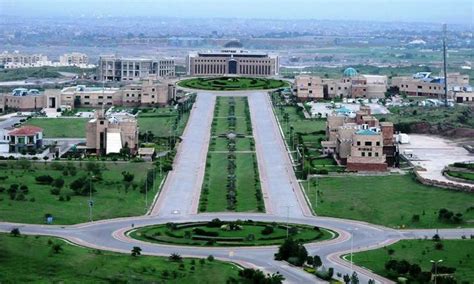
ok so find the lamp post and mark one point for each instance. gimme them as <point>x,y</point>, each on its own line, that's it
<point>435,262</point>
<point>287,219</point>
<point>352,247</point>
<point>91,203</point>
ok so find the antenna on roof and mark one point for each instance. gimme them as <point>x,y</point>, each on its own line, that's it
<point>445,68</point>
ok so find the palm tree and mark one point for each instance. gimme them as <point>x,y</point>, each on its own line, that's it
<point>276,278</point>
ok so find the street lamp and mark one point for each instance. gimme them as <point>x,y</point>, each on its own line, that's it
<point>287,218</point>
<point>91,202</point>
<point>352,246</point>
<point>435,262</point>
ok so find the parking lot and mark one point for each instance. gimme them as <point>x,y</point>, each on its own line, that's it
<point>433,154</point>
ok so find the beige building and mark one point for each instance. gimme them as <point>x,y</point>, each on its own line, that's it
<point>19,59</point>
<point>360,141</point>
<point>232,60</point>
<point>113,68</point>
<point>145,93</point>
<point>424,84</point>
<point>74,58</point>
<point>106,135</point>
<point>309,87</point>
<point>351,85</point>
<point>464,97</point>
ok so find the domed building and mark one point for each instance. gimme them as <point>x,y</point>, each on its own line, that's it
<point>233,44</point>
<point>232,60</point>
<point>350,72</point>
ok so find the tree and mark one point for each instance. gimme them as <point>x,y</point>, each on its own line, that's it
<point>346,278</point>
<point>58,183</point>
<point>136,251</point>
<point>57,248</point>
<point>293,252</point>
<point>175,257</point>
<point>210,258</point>
<point>354,278</point>
<point>317,262</point>
<point>15,232</point>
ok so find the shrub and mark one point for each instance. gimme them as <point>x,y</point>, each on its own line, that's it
<point>44,179</point>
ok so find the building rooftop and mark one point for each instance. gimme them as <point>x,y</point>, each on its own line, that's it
<point>366,132</point>
<point>26,130</point>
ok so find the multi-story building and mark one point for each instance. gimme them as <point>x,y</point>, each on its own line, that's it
<point>111,134</point>
<point>351,85</point>
<point>360,141</point>
<point>424,84</point>
<point>22,99</point>
<point>17,59</point>
<point>309,88</point>
<point>113,68</point>
<point>145,93</point>
<point>232,60</point>
<point>26,138</point>
<point>74,59</point>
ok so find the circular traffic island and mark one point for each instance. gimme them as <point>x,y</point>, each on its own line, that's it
<point>232,83</point>
<point>227,233</point>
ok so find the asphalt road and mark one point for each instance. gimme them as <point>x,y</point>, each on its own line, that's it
<point>178,202</point>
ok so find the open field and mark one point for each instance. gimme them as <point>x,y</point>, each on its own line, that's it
<point>32,259</point>
<point>232,83</point>
<point>113,197</point>
<point>238,189</point>
<point>160,122</point>
<point>405,118</point>
<point>239,233</point>
<point>39,72</point>
<point>61,127</point>
<point>455,253</point>
<point>391,201</point>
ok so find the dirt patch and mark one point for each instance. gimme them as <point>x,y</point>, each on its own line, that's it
<point>446,130</point>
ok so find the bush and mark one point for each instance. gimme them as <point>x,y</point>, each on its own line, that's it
<point>55,191</point>
<point>210,258</point>
<point>44,179</point>
<point>267,230</point>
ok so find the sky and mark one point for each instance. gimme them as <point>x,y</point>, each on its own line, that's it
<point>434,11</point>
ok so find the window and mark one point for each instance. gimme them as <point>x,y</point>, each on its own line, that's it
<point>377,143</point>
<point>376,154</point>
<point>370,154</point>
<point>101,122</point>
<point>86,97</point>
<point>363,154</point>
<point>309,84</point>
<point>358,143</point>
<point>368,143</point>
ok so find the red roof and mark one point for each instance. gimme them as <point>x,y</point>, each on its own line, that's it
<point>26,130</point>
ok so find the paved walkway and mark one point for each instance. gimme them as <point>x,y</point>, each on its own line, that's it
<point>181,190</point>
<point>433,153</point>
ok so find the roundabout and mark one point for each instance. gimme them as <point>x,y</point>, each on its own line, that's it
<point>229,233</point>
<point>232,83</point>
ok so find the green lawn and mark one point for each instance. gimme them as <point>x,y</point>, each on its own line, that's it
<point>232,83</point>
<point>245,233</point>
<point>215,190</point>
<point>455,253</point>
<point>160,122</point>
<point>61,127</point>
<point>389,200</point>
<point>31,259</point>
<point>111,198</point>
<point>463,175</point>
